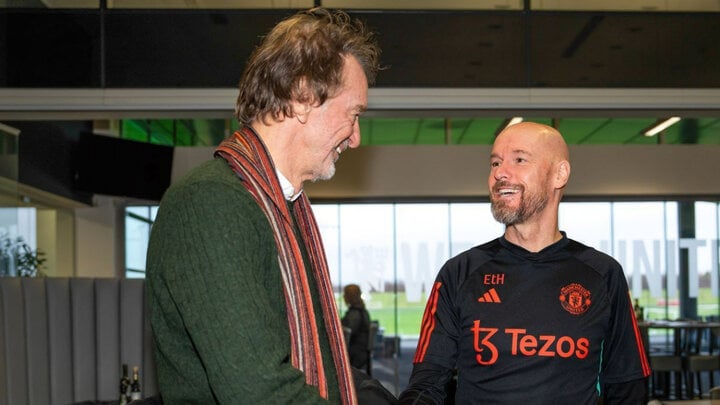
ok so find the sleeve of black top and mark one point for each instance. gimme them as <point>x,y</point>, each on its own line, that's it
<point>370,391</point>
<point>427,385</point>
<point>628,393</point>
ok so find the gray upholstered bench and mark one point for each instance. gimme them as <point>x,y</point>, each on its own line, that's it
<point>63,340</point>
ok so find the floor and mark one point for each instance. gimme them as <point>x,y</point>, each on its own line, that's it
<point>393,369</point>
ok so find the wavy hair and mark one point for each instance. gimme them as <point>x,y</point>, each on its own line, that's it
<point>302,59</point>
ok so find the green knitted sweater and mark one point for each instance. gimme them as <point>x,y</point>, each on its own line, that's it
<point>216,298</point>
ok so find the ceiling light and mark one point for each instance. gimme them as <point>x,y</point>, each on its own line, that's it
<point>515,120</point>
<point>506,123</point>
<point>9,130</point>
<point>660,126</point>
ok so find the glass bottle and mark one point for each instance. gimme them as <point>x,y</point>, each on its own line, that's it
<point>135,392</point>
<point>638,310</point>
<point>124,386</point>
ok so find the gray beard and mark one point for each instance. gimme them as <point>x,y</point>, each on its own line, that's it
<point>326,175</point>
<point>528,207</point>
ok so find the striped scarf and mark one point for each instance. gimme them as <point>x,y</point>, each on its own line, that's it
<point>248,158</point>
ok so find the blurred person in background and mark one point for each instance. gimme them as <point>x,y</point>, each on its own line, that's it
<point>357,320</point>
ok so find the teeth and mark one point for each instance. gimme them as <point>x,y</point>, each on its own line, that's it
<point>338,150</point>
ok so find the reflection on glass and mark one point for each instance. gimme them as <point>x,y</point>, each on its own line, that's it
<point>366,256</point>
<point>422,240</point>
<point>639,245</point>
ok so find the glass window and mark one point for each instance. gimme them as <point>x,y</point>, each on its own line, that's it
<point>138,221</point>
<point>666,307</point>
<point>639,245</point>
<point>327,217</point>
<point>17,226</point>
<point>471,224</point>
<point>422,242</point>
<point>704,278</point>
<point>366,253</point>
<point>587,223</point>
<point>394,251</point>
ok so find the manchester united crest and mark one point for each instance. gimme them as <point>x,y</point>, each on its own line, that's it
<point>575,298</point>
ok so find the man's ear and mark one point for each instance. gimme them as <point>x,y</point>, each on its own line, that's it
<point>300,110</point>
<point>301,102</point>
<point>563,174</point>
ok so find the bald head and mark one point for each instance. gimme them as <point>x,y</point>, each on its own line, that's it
<point>539,138</point>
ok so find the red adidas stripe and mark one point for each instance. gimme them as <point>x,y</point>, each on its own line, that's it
<point>639,341</point>
<point>494,295</point>
<point>428,324</point>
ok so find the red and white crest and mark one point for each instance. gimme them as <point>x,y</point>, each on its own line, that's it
<point>575,298</point>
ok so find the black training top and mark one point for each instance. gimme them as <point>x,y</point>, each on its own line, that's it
<point>554,326</point>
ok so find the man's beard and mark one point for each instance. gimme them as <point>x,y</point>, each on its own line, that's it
<point>326,174</point>
<point>530,204</point>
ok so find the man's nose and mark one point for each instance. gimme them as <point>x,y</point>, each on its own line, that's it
<point>500,172</point>
<point>354,140</point>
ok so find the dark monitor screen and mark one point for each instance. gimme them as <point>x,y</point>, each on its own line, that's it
<point>121,167</point>
<point>47,156</point>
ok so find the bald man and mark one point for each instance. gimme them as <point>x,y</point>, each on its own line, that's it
<point>532,316</point>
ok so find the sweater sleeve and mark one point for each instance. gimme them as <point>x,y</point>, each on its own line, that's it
<point>218,309</point>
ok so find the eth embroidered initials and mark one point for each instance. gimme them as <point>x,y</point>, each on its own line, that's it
<point>491,295</point>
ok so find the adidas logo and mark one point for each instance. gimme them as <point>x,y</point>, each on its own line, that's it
<point>490,296</point>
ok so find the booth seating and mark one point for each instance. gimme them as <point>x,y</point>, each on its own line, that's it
<point>64,340</point>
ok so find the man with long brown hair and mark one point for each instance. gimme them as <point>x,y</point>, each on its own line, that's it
<point>242,307</point>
